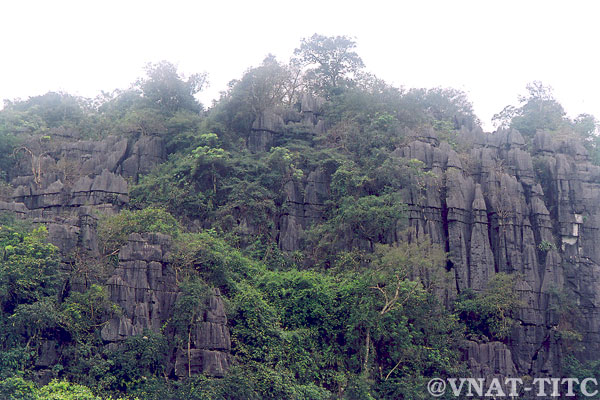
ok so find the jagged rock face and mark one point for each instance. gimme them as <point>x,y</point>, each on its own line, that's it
<point>272,122</point>
<point>267,124</point>
<point>145,154</point>
<point>304,202</point>
<point>211,343</point>
<point>144,286</point>
<point>56,169</point>
<point>490,360</point>
<point>304,205</point>
<point>572,184</point>
<point>500,208</point>
<point>311,107</point>
<point>496,212</point>
<point>63,182</point>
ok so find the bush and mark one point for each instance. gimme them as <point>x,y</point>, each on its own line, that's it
<point>16,388</point>
<point>138,359</point>
<point>63,390</point>
<point>489,313</point>
<point>114,230</point>
<point>546,246</point>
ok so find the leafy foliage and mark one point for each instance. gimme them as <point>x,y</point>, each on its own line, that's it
<point>114,230</point>
<point>538,111</point>
<point>62,390</point>
<point>489,313</point>
<point>28,270</point>
<point>333,60</point>
<point>166,91</point>
<point>358,311</point>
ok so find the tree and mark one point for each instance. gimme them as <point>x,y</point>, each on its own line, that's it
<point>439,105</point>
<point>188,311</point>
<point>586,127</point>
<point>36,162</point>
<point>53,108</point>
<point>29,283</point>
<point>401,273</point>
<point>144,122</point>
<point>16,388</point>
<point>29,268</point>
<point>166,90</point>
<point>211,160</point>
<point>262,88</point>
<point>371,218</point>
<point>489,313</point>
<point>538,110</point>
<point>63,390</point>
<point>333,59</point>
<point>113,230</point>
<point>396,331</point>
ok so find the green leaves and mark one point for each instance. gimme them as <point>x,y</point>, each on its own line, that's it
<point>16,388</point>
<point>315,324</point>
<point>333,59</point>
<point>29,268</point>
<point>296,334</point>
<point>281,162</point>
<point>138,358</point>
<point>255,326</point>
<point>164,89</point>
<point>171,187</point>
<point>372,218</point>
<point>190,305</point>
<point>489,313</point>
<point>348,180</point>
<point>83,313</point>
<point>303,298</point>
<point>113,230</point>
<point>63,390</point>
<point>357,223</point>
<point>538,110</point>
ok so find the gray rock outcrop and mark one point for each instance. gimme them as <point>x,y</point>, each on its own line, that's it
<point>304,205</point>
<point>508,210</point>
<point>65,183</point>
<point>144,286</point>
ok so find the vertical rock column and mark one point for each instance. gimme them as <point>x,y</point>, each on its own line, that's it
<point>144,286</point>
<point>210,343</point>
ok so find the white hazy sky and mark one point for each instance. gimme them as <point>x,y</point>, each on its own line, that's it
<point>488,48</point>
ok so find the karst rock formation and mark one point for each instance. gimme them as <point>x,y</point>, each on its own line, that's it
<point>66,186</point>
<point>498,205</point>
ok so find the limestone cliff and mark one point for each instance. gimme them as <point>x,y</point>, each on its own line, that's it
<point>501,205</point>
<point>144,285</point>
<point>65,183</point>
<point>501,208</point>
<point>498,205</point>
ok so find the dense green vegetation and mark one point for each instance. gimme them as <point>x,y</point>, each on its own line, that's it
<point>355,313</point>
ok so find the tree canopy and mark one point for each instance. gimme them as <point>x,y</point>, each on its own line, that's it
<point>165,90</point>
<point>538,110</point>
<point>359,307</point>
<point>332,61</point>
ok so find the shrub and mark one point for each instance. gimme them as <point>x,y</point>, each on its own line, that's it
<point>488,313</point>
<point>114,230</point>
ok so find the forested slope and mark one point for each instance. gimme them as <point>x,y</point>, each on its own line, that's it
<point>314,234</point>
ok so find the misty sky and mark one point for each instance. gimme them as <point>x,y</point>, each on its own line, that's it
<point>489,49</point>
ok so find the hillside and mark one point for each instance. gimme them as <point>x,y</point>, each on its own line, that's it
<point>314,234</point>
